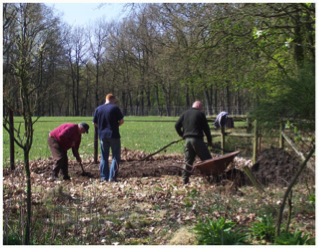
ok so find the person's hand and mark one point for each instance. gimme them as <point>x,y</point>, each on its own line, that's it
<point>209,144</point>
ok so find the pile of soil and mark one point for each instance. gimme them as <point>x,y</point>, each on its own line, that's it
<point>276,166</point>
<point>154,168</point>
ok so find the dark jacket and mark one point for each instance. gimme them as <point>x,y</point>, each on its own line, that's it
<point>193,123</point>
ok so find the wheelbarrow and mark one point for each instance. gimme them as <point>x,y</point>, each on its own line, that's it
<point>211,167</point>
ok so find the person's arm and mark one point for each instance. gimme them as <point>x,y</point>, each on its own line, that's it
<point>179,125</point>
<point>206,130</point>
<point>95,120</point>
<point>120,117</point>
<point>75,151</point>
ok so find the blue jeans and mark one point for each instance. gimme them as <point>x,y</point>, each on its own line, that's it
<point>115,144</point>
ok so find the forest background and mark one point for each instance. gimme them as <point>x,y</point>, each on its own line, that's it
<point>158,59</point>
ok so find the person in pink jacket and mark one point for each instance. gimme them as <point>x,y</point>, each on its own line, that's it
<point>60,140</point>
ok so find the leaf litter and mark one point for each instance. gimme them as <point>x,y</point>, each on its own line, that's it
<point>148,205</point>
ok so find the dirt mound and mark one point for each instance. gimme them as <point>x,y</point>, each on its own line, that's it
<point>154,168</point>
<point>276,166</point>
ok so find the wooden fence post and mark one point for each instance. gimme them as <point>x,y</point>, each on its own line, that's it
<point>222,138</point>
<point>95,144</point>
<point>11,125</point>
<point>248,129</point>
<point>255,142</point>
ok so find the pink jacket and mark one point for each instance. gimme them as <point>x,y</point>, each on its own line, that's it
<point>65,135</point>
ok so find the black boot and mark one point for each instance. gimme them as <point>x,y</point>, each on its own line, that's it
<point>185,180</point>
<point>66,178</point>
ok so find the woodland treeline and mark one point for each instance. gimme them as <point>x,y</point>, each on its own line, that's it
<point>157,60</point>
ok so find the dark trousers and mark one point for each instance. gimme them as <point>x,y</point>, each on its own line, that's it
<point>194,146</point>
<point>60,157</point>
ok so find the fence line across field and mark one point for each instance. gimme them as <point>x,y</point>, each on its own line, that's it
<point>251,132</point>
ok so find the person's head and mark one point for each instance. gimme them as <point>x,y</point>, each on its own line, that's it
<point>110,98</point>
<point>198,105</point>
<point>83,127</point>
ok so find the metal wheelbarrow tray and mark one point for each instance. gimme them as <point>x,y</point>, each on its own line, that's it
<point>212,167</point>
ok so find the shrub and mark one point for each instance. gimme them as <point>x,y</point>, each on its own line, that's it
<point>219,232</point>
<point>312,199</point>
<point>296,238</point>
<point>264,229</point>
<point>11,239</point>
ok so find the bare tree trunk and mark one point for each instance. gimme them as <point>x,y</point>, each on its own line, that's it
<point>74,98</point>
<point>11,125</point>
<point>157,100</point>
<point>215,101</point>
<point>239,104</point>
<point>97,85</point>
<point>123,102</point>
<point>292,183</point>
<point>188,104</point>
<point>148,99</point>
<point>207,103</point>
<point>28,180</point>
<point>228,100</point>
<point>77,92</point>
<point>142,101</point>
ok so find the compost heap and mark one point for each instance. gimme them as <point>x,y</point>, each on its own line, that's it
<point>277,167</point>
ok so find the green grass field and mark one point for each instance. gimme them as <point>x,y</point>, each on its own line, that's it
<point>148,134</point>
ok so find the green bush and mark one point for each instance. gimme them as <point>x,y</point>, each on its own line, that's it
<point>312,199</point>
<point>12,239</point>
<point>264,229</point>
<point>296,238</point>
<point>219,232</point>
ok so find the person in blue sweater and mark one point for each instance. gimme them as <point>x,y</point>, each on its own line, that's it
<point>108,118</point>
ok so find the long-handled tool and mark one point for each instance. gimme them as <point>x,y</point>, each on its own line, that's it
<point>228,151</point>
<point>83,172</point>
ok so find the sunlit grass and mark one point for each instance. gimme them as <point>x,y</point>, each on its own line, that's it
<point>148,134</point>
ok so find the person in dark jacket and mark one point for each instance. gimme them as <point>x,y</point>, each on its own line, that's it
<point>60,140</point>
<point>107,118</point>
<point>192,125</point>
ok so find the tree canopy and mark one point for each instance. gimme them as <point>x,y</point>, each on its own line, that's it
<point>162,56</point>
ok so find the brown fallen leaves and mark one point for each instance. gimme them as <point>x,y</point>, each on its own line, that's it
<point>145,210</point>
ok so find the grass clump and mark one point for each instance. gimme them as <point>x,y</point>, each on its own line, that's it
<point>219,232</point>
<point>264,228</point>
<point>296,238</point>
